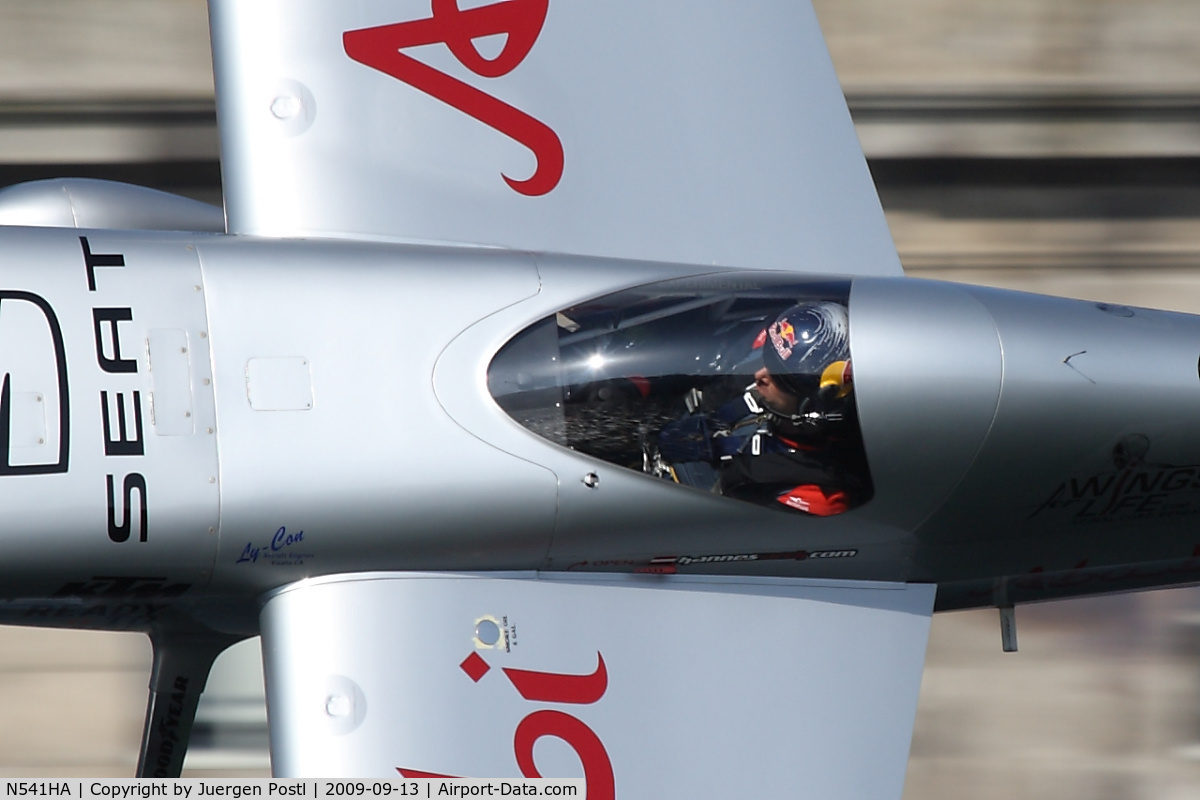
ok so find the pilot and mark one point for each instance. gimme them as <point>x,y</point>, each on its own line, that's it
<point>791,439</point>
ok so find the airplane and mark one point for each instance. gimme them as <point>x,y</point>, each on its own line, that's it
<point>550,398</point>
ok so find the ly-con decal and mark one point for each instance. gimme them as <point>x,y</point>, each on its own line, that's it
<point>519,21</point>
<point>278,551</point>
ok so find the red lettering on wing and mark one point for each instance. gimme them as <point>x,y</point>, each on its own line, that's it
<point>556,687</point>
<point>553,687</point>
<point>597,767</point>
<point>520,21</point>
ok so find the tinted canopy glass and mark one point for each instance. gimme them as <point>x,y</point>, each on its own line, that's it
<point>738,384</point>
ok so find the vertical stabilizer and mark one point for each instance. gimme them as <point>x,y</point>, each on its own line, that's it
<point>710,132</point>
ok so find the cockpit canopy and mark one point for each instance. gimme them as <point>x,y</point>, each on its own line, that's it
<point>669,379</point>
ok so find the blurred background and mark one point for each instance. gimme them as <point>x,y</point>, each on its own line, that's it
<point>1043,145</point>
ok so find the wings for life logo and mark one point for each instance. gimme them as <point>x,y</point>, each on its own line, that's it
<point>520,21</point>
<point>34,420</point>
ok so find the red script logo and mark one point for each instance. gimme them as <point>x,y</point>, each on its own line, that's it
<point>520,21</point>
<point>551,687</point>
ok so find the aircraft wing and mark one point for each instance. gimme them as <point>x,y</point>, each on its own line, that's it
<point>648,686</point>
<point>712,133</point>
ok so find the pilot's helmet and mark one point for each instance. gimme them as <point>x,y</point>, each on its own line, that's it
<point>807,350</point>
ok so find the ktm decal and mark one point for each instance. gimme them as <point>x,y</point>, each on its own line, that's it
<point>552,687</point>
<point>520,21</point>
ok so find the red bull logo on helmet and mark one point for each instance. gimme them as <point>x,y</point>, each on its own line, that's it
<point>783,338</point>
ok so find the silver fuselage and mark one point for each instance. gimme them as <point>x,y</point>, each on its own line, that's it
<point>321,407</point>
